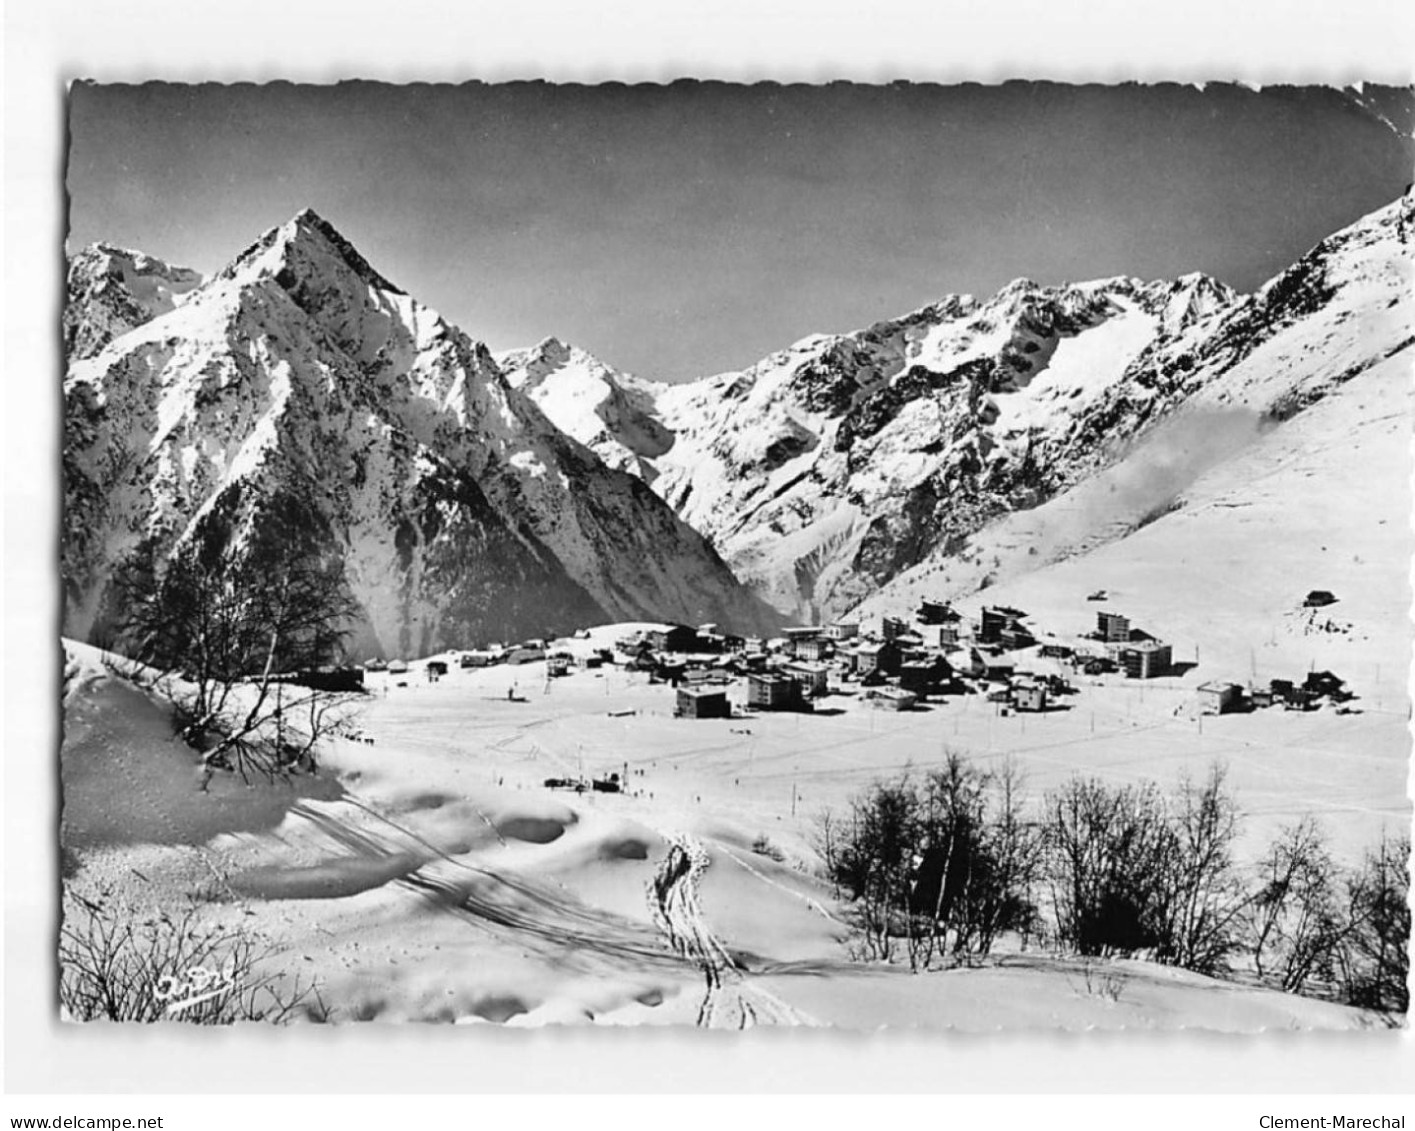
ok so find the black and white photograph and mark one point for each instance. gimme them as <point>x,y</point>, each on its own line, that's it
<point>727,555</point>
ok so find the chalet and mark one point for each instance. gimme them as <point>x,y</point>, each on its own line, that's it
<point>1217,698</point>
<point>890,627</point>
<point>473,660</point>
<point>841,630</point>
<point>1318,684</point>
<point>968,661</point>
<point>712,643</point>
<point>557,666</point>
<point>525,655</point>
<point>1057,651</point>
<point>998,667</point>
<point>882,657</point>
<point>699,675</point>
<point>1112,627</point>
<point>892,699</point>
<point>943,635</point>
<point>925,676</point>
<point>703,702</point>
<point>397,667</point>
<point>436,669</point>
<point>937,613</point>
<point>1292,697</point>
<point>673,638</point>
<point>1319,599</point>
<point>1016,637</point>
<point>1146,659</point>
<point>1028,695</point>
<point>773,691</point>
<point>997,619</point>
<point>814,678</point>
<point>376,665</point>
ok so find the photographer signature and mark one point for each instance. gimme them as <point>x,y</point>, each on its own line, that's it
<point>194,985</point>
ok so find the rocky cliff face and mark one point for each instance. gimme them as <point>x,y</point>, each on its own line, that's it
<point>830,468</point>
<point>300,395</point>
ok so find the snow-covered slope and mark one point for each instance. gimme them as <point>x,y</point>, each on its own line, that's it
<point>111,290</point>
<point>298,395</point>
<point>1242,384</point>
<point>611,413</point>
<point>829,469</point>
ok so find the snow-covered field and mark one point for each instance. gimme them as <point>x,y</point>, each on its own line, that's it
<point>429,874</point>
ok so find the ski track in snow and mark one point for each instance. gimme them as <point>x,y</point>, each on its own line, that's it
<point>729,1001</point>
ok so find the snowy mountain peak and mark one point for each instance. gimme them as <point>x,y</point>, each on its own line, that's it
<point>300,399</point>
<point>111,290</point>
<point>306,249</point>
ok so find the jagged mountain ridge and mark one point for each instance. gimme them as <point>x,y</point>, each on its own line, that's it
<point>112,290</point>
<point>830,468</point>
<point>299,394</point>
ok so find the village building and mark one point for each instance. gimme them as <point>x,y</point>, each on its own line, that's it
<point>943,635</point>
<point>1292,697</point>
<point>673,638</point>
<point>937,613</point>
<point>436,668</point>
<point>813,649</point>
<point>1054,651</point>
<point>892,699</point>
<point>1112,627</point>
<point>1146,659</point>
<point>557,666</point>
<point>1015,637</point>
<point>997,619</point>
<point>967,660</point>
<point>397,667</point>
<point>813,677</point>
<point>1028,694</point>
<point>998,667</point>
<point>881,657</point>
<point>1328,684</point>
<point>1319,599</point>
<point>524,655</point>
<point>842,630</point>
<point>702,702</point>
<point>1218,698</point>
<point>927,676</point>
<point>890,627</point>
<point>773,691</point>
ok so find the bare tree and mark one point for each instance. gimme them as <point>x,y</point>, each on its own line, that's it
<point>1375,955</point>
<point>946,865</point>
<point>1107,850</point>
<point>231,627</point>
<point>1203,898</point>
<point>1295,923</point>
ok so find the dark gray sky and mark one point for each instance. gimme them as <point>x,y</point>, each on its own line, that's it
<point>681,230</point>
